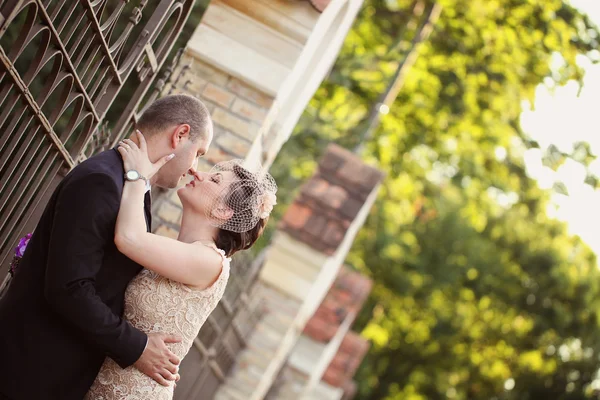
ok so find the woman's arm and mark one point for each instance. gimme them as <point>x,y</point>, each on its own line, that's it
<point>192,264</point>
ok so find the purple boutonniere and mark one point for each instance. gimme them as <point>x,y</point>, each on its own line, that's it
<point>19,252</point>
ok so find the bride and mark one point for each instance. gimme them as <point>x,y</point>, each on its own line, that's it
<point>224,211</point>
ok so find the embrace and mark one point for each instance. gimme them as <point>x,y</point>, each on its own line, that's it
<point>101,308</point>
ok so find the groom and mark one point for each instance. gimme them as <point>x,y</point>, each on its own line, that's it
<point>61,315</point>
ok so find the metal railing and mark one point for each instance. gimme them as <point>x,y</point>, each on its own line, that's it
<point>63,64</point>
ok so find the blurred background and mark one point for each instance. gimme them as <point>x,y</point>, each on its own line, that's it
<point>482,243</point>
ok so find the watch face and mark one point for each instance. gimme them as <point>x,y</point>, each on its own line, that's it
<point>132,175</point>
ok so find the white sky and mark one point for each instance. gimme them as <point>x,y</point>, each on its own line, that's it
<point>562,118</point>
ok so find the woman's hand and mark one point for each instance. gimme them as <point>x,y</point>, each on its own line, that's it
<point>136,157</point>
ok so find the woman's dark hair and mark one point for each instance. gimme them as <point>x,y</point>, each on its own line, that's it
<point>232,242</point>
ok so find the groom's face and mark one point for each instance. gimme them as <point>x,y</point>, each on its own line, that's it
<point>186,153</point>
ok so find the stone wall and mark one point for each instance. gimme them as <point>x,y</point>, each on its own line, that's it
<point>302,263</point>
<point>238,110</point>
<point>256,65</point>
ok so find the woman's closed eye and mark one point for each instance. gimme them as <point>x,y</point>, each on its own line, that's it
<point>216,178</point>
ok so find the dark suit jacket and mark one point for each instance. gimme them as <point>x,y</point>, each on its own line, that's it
<point>62,313</point>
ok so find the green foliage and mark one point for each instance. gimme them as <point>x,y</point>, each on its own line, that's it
<point>476,289</point>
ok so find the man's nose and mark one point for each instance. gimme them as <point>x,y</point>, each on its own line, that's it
<point>194,166</point>
<point>197,175</point>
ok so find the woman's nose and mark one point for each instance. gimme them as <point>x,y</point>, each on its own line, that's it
<point>199,176</point>
<point>195,174</point>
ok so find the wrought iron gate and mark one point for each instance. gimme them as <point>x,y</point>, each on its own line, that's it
<point>74,75</point>
<point>63,63</point>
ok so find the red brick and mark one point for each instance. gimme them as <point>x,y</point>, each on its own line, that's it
<point>341,361</point>
<point>354,280</point>
<point>350,208</point>
<point>351,172</point>
<point>315,225</point>
<point>296,216</point>
<point>335,197</point>
<point>319,330</point>
<point>370,177</point>
<point>320,5</point>
<point>333,234</point>
<point>248,110</point>
<point>331,161</point>
<point>343,153</point>
<point>329,316</point>
<point>354,344</point>
<point>350,389</point>
<point>352,365</point>
<point>217,94</point>
<point>345,298</point>
<point>333,377</point>
<point>315,187</point>
<point>350,168</point>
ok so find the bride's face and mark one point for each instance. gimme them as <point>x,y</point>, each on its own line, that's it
<point>207,191</point>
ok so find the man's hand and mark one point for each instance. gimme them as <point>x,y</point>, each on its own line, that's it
<point>157,361</point>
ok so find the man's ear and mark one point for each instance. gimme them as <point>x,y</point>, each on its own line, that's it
<point>180,134</point>
<point>222,213</point>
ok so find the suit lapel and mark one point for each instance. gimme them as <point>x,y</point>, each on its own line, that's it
<point>148,210</point>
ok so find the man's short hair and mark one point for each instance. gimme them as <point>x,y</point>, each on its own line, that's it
<point>174,110</point>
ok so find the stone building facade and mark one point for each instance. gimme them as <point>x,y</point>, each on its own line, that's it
<point>301,266</point>
<point>256,66</point>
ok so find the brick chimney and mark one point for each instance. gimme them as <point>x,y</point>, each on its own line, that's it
<point>302,263</point>
<point>327,353</point>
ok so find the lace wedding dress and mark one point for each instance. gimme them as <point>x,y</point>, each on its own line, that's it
<point>156,304</point>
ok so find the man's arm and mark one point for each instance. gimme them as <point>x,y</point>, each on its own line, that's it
<point>83,225</point>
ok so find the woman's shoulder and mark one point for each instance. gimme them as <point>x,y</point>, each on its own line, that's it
<point>219,261</point>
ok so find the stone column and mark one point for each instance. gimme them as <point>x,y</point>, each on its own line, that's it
<point>235,62</point>
<point>255,63</point>
<point>327,354</point>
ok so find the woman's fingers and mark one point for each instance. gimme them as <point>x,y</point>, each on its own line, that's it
<point>163,161</point>
<point>130,143</point>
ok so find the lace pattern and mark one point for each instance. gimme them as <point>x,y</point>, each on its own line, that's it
<point>157,304</point>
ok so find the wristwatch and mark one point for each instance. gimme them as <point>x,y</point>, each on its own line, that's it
<point>132,175</point>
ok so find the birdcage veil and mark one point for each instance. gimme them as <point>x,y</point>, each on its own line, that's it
<point>249,195</point>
